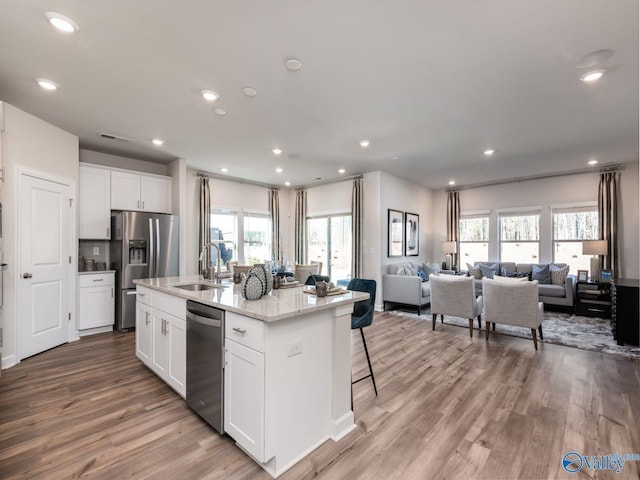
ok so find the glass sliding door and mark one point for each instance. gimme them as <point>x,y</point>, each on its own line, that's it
<point>329,242</point>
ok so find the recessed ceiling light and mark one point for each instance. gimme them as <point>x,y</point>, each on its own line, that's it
<point>276,151</point>
<point>47,84</point>
<point>592,76</point>
<point>249,92</point>
<point>342,170</point>
<point>209,95</point>
<point>489,151</point>
<point>62,23</point>
<point>452,182</point>
<point>365,143</point>
<point>287,183</point>
<point>158,141</point>
<point>395,158</point>
<point>593,162</point>
<point>279,170</point>
<point>224,169</point>
<point>220,111</point>
<point>294,64</point>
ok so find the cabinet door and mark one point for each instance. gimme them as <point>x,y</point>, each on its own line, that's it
<point>155,194</point>
<point>159,343</point>
<point>143,332</point>
<point>125,191</point>
<point>244,416</point>
<point>177,365</point>
<point>96,307</point>
<point>94,203</point>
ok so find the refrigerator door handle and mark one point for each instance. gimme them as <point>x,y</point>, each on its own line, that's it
<point>157,265</point>
<point>152,257</point>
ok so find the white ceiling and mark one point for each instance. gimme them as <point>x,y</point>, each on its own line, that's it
<point>433,82</point>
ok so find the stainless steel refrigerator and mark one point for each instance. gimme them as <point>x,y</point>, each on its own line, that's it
<point>143,245</point>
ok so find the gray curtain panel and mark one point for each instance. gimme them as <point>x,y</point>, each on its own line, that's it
<point>356,229</point>
<point>453,223</point>
<point>274,214</point>
<point>205,218</point>
<point>300,233</point>
<point>608,219</point>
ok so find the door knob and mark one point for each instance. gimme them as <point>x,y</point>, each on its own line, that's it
<point>26,275</point>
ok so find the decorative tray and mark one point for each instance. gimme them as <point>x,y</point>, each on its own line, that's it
<point>333,291</point>
<point>289,284</point>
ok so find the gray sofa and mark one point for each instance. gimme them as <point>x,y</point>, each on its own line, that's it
<point>404,290</point>
<point>560,295</point>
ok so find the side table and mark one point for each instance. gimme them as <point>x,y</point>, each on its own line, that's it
<point>624,312</point>
<point>593,299</point>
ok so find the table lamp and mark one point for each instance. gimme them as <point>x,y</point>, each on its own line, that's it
<point>595,248</point>
<point>449,248</point>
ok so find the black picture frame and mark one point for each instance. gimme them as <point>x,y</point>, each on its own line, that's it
<point>395,233</point>
<point>411,234</point>
<point>583,275</point>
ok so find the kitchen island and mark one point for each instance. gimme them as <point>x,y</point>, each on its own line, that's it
<point>287,356</point>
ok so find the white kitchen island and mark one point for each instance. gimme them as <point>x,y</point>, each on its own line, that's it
<point>287,378</point>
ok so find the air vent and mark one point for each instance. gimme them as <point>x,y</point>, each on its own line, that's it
<point>110,136</point>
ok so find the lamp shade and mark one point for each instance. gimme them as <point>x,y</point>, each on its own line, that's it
<point>449,247</point>
<point>594,247</point>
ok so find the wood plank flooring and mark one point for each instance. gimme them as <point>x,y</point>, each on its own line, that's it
<point>449,407</point>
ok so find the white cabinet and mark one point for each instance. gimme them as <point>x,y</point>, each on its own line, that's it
<point>96,300</point>
<point>94,202</point>
<point>161,336</point>
<point>141,192</point>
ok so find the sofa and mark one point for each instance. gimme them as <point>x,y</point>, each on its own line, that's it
<point>549,294</point>
<point>405,289</point>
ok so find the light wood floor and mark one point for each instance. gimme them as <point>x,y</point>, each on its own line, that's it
<point>449,407</point>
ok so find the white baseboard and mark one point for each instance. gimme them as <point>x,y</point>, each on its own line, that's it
<point>8,361</point>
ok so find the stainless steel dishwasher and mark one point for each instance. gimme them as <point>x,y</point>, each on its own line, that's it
<point>205,351</point>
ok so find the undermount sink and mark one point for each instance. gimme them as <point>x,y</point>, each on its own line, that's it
<point>198,287</point>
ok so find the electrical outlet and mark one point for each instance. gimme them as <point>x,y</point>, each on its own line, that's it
<point>294,348</point>
<point>96,250</point>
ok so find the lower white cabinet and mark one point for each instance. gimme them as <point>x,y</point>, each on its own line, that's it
<point>96,300</point>
<point>161,337</point>
<point>244,397</point>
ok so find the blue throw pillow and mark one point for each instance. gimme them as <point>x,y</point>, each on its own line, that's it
<point>423,275</point>
<point>495,267</point>
<point>541,273</point>
<point>487,271</point>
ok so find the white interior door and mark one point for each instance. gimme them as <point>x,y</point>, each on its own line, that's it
<point>44,245</point>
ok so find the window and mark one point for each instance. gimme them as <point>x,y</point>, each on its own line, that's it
<point>257,238</point>
<point>520,236</point>
<point>229,226</point>
<point>571,226</point>
<point>474,239</point>
<point>224,228</point>
<point>329,242</point>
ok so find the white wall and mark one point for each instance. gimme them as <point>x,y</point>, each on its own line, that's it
<point>116,161</point>
<point>545,193</point>
<point>32,143</point>
<point>178,171</point>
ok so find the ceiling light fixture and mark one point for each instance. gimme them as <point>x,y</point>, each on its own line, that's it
<point>276,151</point>
<point>592,76</point>
<point>294,64</point>
<point>279,170</point>
<point>593,162</point>
<point>452,182</point>
<point>62,23</point>
<point>489,151</point>
<point>249,92</point>
<point>158,142</point>
<point>224,169</point>
<point>287,183</point>
<point>342,170</point>
<point>594,59</point>
<point>47,84</point>
<point>220,111</point>
<point>395,158</point>
<point>209,95</point>
<point>365,143</point>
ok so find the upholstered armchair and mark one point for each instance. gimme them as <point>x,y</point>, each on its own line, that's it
<point>301,272</point>
<point>455,295</point>
<point>512,303</point>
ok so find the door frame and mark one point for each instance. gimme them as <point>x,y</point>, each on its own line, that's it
<point>20,171</point>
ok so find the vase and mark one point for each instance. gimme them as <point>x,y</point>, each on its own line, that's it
<point>252,287</point>
<point>265,275</point>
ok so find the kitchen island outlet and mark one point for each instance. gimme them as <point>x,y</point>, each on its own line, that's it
<point>287,364</point>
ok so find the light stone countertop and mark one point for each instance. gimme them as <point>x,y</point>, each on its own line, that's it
<point>96,272</point>
<point>278,305</point>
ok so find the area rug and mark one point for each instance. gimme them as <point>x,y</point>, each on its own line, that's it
<point>586,333</point>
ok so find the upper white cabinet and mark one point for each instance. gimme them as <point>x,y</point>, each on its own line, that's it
<point>94,205</point>
<point>139,191</point>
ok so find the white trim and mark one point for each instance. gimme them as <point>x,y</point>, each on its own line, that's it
<point>9,361</point>
<point>556,206</point>
<point>329,213</point>
<point>475,213</point>
<point>523,210</point>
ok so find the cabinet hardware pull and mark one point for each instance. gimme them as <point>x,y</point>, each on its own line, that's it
<point>140,294</point>
<point>98,280</point>
<point>143,204</point>
<point>146,317</point>
<point>163,326</point>
<point>107,231</point>
<point>241,331</point>
<point>111,292</point>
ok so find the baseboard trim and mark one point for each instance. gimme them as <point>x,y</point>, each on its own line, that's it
<point>8,361</point>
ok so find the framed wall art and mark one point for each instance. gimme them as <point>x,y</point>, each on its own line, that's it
<point>395,233</point>
<point>412,234</point>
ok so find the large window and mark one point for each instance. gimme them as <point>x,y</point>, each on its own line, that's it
<point>229,226</point>
<point>520,236</point>
<point>257,238</point>
<point>474,239</point>
<point>571,226</point>
<point>329,242</point>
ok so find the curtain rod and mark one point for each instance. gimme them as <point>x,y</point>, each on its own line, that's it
<point>604,168</point>
<point>200,173</point>
<point>328,182</point>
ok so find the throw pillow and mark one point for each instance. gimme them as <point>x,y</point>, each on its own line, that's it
<point>511,279</point>
<point>487,271</point>
<point>495,267</point>
<point>558,274</point>
<point>474,271</point>
<point>423,275</point>
<point>541,273</point>
<point>404,271</point>
<point>518,275</point>
<point>430,268</point>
